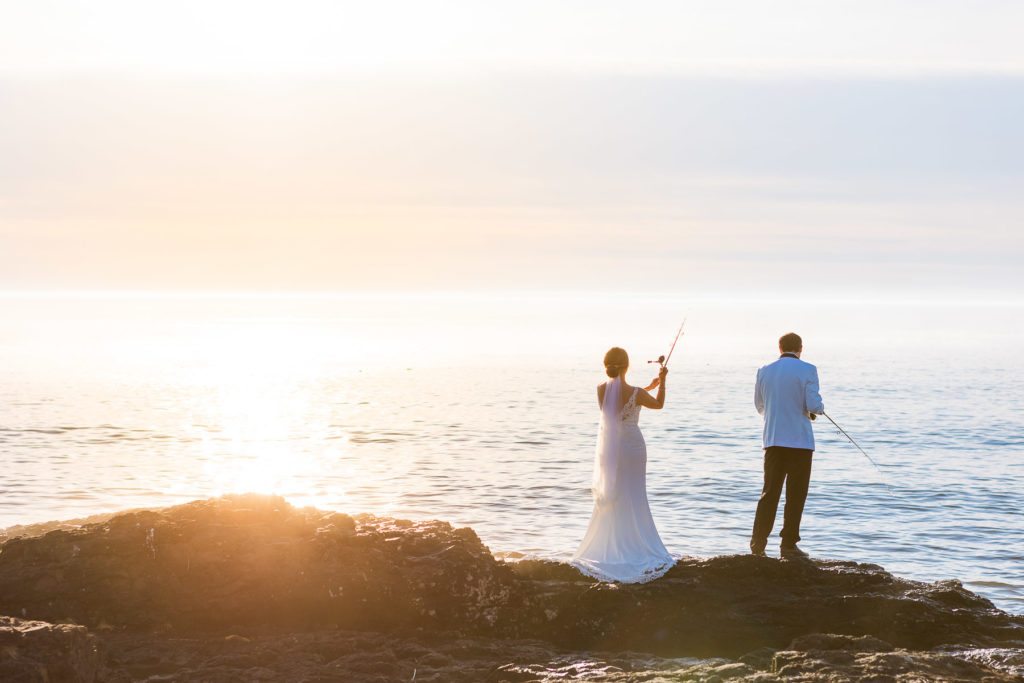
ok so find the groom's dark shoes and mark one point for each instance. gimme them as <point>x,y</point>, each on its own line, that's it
<point>789,551</point>
<point>757,548</point>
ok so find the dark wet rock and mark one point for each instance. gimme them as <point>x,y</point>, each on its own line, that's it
<point>831,641</point>
<point>40,528</point>
<point>318,656</point>
<point>336,655</point>
<point>243,560</point>
<point>842,658</point>
<point>1009,660</point>
<point>761,658</point>
<point>730,605</point>
<point>38,651</point>
<point>248,587</point>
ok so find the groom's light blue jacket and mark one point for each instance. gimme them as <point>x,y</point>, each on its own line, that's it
<point>786,393</point>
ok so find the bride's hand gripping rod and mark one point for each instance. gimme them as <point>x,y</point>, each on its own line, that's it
<point>863,452</point>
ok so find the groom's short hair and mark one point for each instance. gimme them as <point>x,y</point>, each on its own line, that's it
<point>791,343</point>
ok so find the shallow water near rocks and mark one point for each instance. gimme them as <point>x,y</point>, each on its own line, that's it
<point>480,410</point>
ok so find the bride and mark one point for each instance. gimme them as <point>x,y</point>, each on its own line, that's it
<point>622,543</point>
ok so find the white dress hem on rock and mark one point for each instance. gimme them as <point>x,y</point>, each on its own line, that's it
<point>622,543</point>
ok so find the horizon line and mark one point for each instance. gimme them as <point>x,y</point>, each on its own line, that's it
<point>457,69</point>
<point>978,297</point>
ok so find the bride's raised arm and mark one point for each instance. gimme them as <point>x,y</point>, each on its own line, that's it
<point>648,401</point>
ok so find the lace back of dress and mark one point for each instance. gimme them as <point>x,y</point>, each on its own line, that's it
<point>631,411</point>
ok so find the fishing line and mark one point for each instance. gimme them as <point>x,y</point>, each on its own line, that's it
<point>857,446</point>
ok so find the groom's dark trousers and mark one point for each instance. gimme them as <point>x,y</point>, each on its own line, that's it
<point>791,466</point>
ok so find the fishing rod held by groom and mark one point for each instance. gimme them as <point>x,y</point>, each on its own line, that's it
<point>786,394</point>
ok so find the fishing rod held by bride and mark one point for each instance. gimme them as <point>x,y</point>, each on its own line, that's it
<point>663,360</point>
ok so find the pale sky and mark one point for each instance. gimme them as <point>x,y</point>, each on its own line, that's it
<point>681,146</point>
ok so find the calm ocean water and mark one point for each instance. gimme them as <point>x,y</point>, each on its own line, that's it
<point>480,409</point>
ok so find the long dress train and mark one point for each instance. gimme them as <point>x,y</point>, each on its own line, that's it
<point>621,543</point>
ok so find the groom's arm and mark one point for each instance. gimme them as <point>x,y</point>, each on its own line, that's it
<point>812,399</point>
<point>758,396</point>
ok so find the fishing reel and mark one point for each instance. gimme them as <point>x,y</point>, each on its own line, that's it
<point>660,361</point>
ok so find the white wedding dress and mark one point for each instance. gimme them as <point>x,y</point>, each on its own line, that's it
<point>621,543</point>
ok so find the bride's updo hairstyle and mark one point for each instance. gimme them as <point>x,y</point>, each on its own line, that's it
<point>616,361</point>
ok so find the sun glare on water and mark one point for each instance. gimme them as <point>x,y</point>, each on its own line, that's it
<point>281,403</point>
<point>269,399</point>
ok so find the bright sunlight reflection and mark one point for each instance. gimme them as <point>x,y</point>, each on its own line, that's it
<point>260,418</point>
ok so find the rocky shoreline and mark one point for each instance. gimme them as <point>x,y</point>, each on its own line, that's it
<point>244,588</point>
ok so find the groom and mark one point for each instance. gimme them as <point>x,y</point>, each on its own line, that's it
<point>786,394</point>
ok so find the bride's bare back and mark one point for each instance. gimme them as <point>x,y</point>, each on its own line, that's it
<point>642,397</point>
